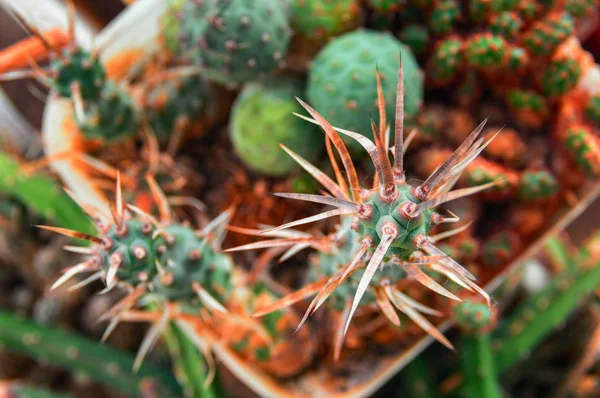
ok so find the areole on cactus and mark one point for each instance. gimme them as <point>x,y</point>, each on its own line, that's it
<point>384,227</point>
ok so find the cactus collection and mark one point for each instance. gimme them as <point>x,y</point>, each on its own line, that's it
<point>297,197</point>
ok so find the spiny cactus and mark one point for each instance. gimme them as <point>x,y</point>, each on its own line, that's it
<point>560,76</point>
<point>444,15</point>
<point>592,110</point>
<point>584,147</point>
<point>176,102</point>
<point>339,81</point>
<point>386,228</point>
<point>535,185</point>
<point>486,51</point>
<point>530,108</point>
<point>112,117</point>
<point>77,69</point>
<point>233,41</point>
<point>181,275</point>
<point>446,61</point>
<point>507,24</point>
<point>321,20</point>
<point>99,362</point>
<point>544,35</point>
<point>262,119</point>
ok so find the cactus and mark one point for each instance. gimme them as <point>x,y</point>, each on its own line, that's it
<point>113,117</point>
<point>560,76</point>
<point>233,41</point>
<point>175,103</point>
<point>530,108</point>
<point>75,66</point>
<point>262,119</point>
<point>486,51</point>
<point>506,24</point>
<point>443,16</point>
<point>535,185</point>
<point>446,61</point>
<point>584,148</point>
<point>545,35</point>
<point>71,351</point>
<point>391,223</point>
<point>416,37</point>
<point>339,83</point>
<point>545,310</point>
<point>476,356</point>
<point>580,8</point>
<point>483,171</point>
<point>323,19</point>
<point>41,195</point>
<point>180,273</point>
<point>592,110</point>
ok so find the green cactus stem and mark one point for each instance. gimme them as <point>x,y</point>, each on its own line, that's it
<point>42,195</point>
<point>75,66</point>
<point>476,356</point>
<point>545,310</point>
<point>99,362</point>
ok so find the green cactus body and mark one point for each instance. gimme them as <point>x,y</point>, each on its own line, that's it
<point>77,66</point>
<point>580,8</point>
<point>535,185</point>
<point>416,37</point>
<point>592,110</point>
<point>560,76</point>
<point>262,119</point>
<point>517,59</point>
<point>545,35</point>
<point>499,249</point>
<point>446,61</point>
<point>584,148</point>
<point>174,103</point>
<point>507,24</point>
<point>486,51</point>
<point>529,107</point>
<point>443,16</point>
<point>324,19</point>
<point>341,81</point>
<point>544,311</point>
<point>476,356</point>
<point>70,351</point>
<point>113,117</point>
<point>41,195</point>
<point>384,5</point>
<point>233,41</point>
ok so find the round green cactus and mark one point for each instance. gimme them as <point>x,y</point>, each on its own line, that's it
<point>517,59</point>
<point>77,66</point>
<point>507,24</point>
<point>592,110</point>
<point>341,83</point>
<point>416,37</point>
<point>324,19</point>
<point>560,76</point>
<point>233,41</point>
<point>535,185</point>
<point>486,51</point>
<point>174,103</point>
<point>443,16</point>
<point>580,8</point>
<point>473,316</point>
<point>584,147</point>
<point>113,117</point>
<point>262,119</point>
<point>543,37</point>
<point>446,61</point>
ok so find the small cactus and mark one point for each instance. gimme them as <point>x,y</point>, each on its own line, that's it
<point>340,82</point>
<point>530,108</point>
<point>592,110</point>
<point>584,147</point>
<point>535,185</point>
<point>233,41</point>
<point>444,15</point>
<point>113,117</point>
<point>321,20</point>
<point>76,67</point>
<point>262,119</point>
<point>486,51</point>
<point>545,35</point>
<point>446,61</point>
<point>507,24</point>
<point>560,76</point>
